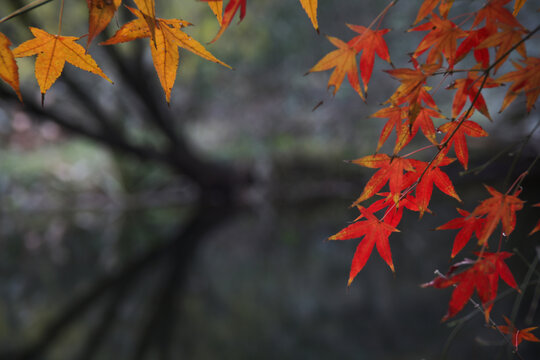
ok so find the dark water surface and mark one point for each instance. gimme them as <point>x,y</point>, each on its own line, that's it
<point>223,283</point>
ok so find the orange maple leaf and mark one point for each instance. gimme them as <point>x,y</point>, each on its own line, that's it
<point>483,276</point>
<point>310,7</point>
<point>369,42</point>
<point>469,128</point>
<point>525,79</point>
<point>375,232</point>
<point>100,14</point>
<point>52,53</point>
<point>9,72</point>
<point>505,40</point>
<point>168,37</point>
<point>537,227</point>
<point>390,170</point>
<point>494,13</point>
<point>344,61</point>
<point>412,81</point>
<point>470,87</point>
<point>517,6</point>
<point>518,335</point>
<point>428,6</point>
<point>499,207</point>
<point>418,118</point>
<point>468,225</point>
<point>442,38</point>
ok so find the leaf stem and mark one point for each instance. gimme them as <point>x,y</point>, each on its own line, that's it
<point>34,4</point>
<point>519,152</point>
<point>60,17</point>
<point>523,287</point>
<point>381,14</point>
<point>480,309</point>
<point>418,150</point>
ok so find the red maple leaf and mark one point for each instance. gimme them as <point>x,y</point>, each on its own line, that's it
<point>483,276</point>
<point>369,42</point>
<point>442,38</point>
<point>517,335</point>
<point>494,13</point>
<point>499,207</point>
<point>470,87</point>
<point>504,41</point>
<point>428,6</point>
<point>469,128</point>
<point>525,79</point>
<point>419,117</point>
<point>375,233</point>
<point>390,170</point>
<point>230,10</point>
<point>412,83</point>
<point>473,39</point>
<point>395,116</point>
<point>432,176</point>
<point>468,225</point>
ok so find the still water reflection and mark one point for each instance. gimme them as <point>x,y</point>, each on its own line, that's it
<point>219,283</point>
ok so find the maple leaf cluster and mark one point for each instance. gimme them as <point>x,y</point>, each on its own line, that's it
<point>166,36</point>
<point>494,36</point>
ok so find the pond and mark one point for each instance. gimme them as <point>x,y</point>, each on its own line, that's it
<point>261,282</point>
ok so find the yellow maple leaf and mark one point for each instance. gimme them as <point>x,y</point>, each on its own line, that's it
<point>168,37</point>
<point>310,7</point>
<point>100,13</point>
<point>52,53</point>
<point>217,9</point>
<point>9,72</point>
<point>148,10</point>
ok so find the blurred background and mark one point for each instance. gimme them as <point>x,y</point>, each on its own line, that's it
<point>134,230</point>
